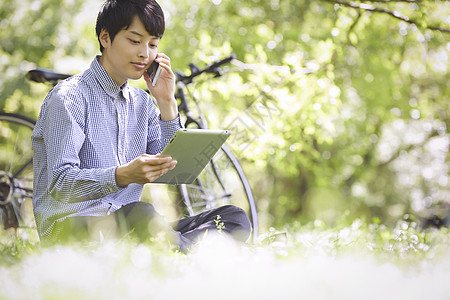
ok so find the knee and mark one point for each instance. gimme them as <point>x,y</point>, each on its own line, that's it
<point>242,227</point>
<point>139,210</point>
<point>140,219</point>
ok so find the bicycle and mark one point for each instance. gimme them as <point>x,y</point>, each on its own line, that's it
<point>222,182</point>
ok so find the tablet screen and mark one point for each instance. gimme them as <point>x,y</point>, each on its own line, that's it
<point>193,149</point>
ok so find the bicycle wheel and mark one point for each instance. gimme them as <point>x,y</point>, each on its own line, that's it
<point>16,171</point>
<point>221,182</point>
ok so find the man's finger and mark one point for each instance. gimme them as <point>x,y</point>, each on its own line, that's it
<point>152,176</point>
<point>156,160</point>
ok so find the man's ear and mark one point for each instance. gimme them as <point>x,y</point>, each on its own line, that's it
<point>104,38</point>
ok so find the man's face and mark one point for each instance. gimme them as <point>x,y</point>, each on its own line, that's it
<point>130,53</point>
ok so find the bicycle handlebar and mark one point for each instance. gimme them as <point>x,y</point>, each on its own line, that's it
<point>45,75</point>
<point>213,69</point>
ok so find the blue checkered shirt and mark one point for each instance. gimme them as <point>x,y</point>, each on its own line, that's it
<point>87,127</point>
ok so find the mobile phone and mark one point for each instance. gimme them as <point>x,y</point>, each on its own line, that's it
<point>153,71</point>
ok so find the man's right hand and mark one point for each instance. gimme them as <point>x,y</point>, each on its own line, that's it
<point>144,169</point>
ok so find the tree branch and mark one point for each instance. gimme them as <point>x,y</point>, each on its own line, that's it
<point>395,14</point>
<point>387,1</point>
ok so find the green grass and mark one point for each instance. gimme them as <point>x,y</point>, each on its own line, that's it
<point>358,261</point>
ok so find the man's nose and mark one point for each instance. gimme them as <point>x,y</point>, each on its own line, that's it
<point>144,51</point>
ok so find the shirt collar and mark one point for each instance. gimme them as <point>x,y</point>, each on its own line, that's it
<point>106,82</point>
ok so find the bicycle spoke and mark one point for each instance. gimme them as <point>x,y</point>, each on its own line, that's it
<point>14,152</point>
<point>23,168</point>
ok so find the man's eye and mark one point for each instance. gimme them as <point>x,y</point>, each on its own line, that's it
<point>134,41</point>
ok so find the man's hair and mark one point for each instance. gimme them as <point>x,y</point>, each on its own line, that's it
<point>116,15</point>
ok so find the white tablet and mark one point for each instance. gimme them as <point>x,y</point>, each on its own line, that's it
<point>193,149</point>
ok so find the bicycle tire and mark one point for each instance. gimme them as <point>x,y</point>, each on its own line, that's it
<point>222,182</point>
<point>16,171</point>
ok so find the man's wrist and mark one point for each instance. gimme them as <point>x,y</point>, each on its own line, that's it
<point>121,178</point>
<point>168,110</point>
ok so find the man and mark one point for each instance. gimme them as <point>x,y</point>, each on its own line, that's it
<point>97,139</point>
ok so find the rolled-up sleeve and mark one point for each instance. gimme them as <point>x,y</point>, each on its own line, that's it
<point>161,132</point>
<point>168,130</point>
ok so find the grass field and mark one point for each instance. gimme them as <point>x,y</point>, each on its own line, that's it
<point>359,261</point>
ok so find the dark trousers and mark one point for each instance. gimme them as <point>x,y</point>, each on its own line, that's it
<point>140,220</point>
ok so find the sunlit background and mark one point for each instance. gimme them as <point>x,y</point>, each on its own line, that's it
<point>342,111</point>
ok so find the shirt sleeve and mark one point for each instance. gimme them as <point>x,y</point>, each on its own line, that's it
<point>168,130</point>
<point>63,137</point>
<point>164,130</point>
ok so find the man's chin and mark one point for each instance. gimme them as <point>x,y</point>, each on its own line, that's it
<point>136,77</point>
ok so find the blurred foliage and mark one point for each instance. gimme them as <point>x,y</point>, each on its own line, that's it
<point>405,245</point>
<point>35,34</point>
<point>341,107</point>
